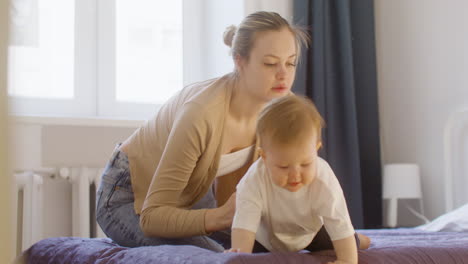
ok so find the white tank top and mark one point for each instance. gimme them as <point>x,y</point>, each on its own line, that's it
<point>233,161</point>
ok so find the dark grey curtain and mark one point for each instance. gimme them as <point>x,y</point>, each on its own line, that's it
<point>338,73</point>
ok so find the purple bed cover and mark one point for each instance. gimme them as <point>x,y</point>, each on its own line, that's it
<point>389,246</point>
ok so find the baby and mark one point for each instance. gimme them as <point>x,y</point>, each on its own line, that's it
<point>290,194</point>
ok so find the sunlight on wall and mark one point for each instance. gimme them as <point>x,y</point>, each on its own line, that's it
<point>5,181</point>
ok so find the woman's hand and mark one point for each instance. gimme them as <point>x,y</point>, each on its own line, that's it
<point>221,218</point>
<point>229,209</point>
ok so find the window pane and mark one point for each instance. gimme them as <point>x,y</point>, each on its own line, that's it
<point>148,50</point>
<point>41,50</point>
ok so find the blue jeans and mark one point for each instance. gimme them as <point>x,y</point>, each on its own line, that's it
<point>117,218</point>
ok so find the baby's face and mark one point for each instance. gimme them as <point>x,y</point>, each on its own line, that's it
<point>292,167</point>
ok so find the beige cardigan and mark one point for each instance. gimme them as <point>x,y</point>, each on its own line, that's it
<point>174,158</point>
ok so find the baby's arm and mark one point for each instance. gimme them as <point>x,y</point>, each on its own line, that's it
<point>242,240</point>
<point>346,250</point>
<point>248,212</point>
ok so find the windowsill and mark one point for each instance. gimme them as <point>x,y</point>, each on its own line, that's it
<point>75,121</point>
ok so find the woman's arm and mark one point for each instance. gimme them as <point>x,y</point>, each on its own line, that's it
<point>165,210</point>
<point>220,218</point>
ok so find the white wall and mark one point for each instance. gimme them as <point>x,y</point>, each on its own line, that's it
<point>422,63</point>
<point>6,234</point>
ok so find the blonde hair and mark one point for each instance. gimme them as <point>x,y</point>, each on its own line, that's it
<point>241,39</point>
<point>288,120</point>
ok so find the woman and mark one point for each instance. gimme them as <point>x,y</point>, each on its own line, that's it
<point>173,181</point>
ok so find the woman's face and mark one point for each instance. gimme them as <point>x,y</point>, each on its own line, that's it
<point>270,70</point>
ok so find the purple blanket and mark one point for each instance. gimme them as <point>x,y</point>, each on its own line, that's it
<point>397,246</point>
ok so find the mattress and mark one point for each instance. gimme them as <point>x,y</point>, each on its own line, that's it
<point>389,246</point>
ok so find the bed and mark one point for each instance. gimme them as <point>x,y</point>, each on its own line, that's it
<point>443,240</point>
<point>389,246</point>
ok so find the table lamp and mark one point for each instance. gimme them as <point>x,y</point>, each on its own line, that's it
<point>400,181</point>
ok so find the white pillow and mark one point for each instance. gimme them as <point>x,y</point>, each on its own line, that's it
<point>454,221</point>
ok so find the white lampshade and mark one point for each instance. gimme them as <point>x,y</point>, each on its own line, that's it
<point>401,181</point>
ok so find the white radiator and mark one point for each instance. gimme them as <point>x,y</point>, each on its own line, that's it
<point>29,208</point>
<point>85,183</point>
<point>30,203</point>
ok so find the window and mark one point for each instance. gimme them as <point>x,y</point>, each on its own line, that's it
<point>139,56</point>
<point>112,58</point>
<point>148,50</point>
<point>41,49</point>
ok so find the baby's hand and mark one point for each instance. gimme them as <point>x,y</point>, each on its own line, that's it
<point>235,250</point>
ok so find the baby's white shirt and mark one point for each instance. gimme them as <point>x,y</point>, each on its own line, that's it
<point>288,221</point>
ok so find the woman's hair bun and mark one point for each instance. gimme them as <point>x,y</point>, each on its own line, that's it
<point>229,35</point>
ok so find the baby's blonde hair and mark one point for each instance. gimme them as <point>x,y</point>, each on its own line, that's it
<point>289,120</point>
